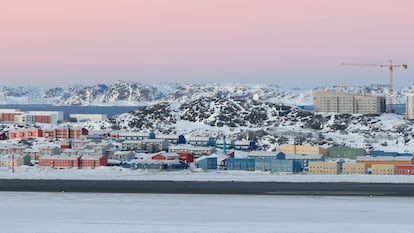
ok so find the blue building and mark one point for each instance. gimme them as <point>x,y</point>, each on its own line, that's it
<point>375,153</point>
<point>304,160</point>
<point>277,165</point>
<point>246,164</point>
<point>159,165</point>
<point>207,162</point>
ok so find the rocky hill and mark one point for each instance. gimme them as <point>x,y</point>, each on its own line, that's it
<point>267,123</point>
<point>266,114</point>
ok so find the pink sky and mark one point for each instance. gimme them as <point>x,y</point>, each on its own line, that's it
<point>288,43</point>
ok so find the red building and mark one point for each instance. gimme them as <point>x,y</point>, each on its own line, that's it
<point>93,161</point>
<point>43,119</point>
<point>77,132</point>
<point>71,132</point>
<point>9,116</point>
<point>186,157</point>
<point>25,133</point>
<point>49,133</point>
<point>405,170</point>
<point>62,132</point>
<point>60,161</point>
<point>165,156</point>
<point>65,132</point>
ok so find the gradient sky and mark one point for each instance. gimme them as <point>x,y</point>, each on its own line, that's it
<point>298,43</point>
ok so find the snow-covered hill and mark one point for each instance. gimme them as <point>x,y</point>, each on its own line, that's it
<point>266,114</point>
<point>119,93</point>
<point>267,123</point>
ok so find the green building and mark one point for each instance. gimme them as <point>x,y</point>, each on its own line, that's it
<point>346,152</point>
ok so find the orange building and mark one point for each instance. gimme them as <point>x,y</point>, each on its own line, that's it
<point>398,160</point>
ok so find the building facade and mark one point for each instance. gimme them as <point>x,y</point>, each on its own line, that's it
<point>9,115</point>
<point>326,168</point>
<point>60,161</point>
<point>354,168</point>
<point>340,102</point>
<point>346,152</point>
<point>88,117</point>
<point>370,161</point>
<point>303,149</point>
<point>405,170</point>
<point>207,163</point>
<point>409,106</point>
<point>383,169</point>
<point>246,164</point>
<point>92,161</point>
<point>25,133</point>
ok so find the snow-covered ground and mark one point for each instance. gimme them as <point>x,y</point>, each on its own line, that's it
<point>124,213</point>
<point>117,173</point>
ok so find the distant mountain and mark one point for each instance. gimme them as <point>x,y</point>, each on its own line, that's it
<point>119,93</point>
<point>132,93</point>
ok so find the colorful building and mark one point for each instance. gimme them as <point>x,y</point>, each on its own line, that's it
<point>60,161</point>
<point>93,161</point>
<point>383,169</point>
<point>25,133</point>
<point>16,160</point>
<point>276,165</point>
<point>345,152</point>
<point>399,160</point>
<point>207,162</point>
<point>326,168</point>
<point>246,164</point>
<point>303,149</point>
<point>354,168</point>
<point>405,170</point>
<point>9,115</point>
<point>165,156</point>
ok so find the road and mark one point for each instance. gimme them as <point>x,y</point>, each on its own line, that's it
<point>191,187</point>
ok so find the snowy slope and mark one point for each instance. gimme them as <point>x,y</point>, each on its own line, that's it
<point>264,113</point>
<point>269,124</point>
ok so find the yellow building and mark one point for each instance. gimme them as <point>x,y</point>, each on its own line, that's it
<point>6,161</point>
<point>326,168</point>
<point>303,149</point>
<point>354,168</point>
<point>383,169</point>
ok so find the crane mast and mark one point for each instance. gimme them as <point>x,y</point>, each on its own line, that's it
<point>390,87</point>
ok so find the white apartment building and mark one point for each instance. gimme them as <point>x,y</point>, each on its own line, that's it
<point>409,106</point>
<point>88,117</point>
<point>340,102</point>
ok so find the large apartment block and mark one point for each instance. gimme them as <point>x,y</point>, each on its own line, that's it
<point>340,102</point>
<point>409,106</point>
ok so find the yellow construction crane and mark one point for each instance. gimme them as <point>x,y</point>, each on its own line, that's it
<point>390,88</point>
